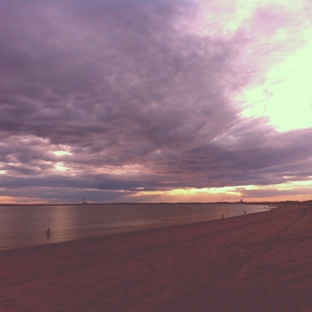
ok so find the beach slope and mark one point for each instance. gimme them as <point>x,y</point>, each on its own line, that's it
<point>258,262</point>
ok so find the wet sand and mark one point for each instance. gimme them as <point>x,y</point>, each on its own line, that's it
<point>258,262</point>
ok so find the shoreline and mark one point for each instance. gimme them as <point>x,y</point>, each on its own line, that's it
<point>264,208</point>
<point>255,262</point>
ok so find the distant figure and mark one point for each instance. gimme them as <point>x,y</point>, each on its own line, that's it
<point>222,216</point>
<point>245,212</point>
<point>48,233</point>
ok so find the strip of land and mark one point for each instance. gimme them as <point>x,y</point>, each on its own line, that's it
<point>258,262</point>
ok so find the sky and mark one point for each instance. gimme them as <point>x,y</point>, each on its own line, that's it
<point>155,101</point>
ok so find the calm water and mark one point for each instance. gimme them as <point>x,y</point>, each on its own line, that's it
<point>26,225</point>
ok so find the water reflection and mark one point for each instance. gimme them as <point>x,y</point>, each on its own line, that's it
<point>27,225</point>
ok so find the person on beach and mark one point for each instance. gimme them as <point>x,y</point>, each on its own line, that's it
<point>48,233</point>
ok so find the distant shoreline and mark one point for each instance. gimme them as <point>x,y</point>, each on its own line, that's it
<point>166,203</point>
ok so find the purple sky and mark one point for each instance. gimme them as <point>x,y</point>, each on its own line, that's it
<point>148,101</point>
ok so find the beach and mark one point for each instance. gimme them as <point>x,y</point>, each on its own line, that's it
<point>255,262</point>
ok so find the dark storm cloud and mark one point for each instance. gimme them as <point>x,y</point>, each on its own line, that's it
<point>70,74</point>
<point>116,84</point>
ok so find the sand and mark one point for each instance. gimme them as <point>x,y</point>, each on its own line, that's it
<point>258,262</point>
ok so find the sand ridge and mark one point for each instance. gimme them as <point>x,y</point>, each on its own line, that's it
<point>257,262</point>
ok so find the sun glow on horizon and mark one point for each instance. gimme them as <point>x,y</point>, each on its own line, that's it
<point>232,193</point>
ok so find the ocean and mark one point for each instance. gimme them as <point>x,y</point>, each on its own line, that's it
<point>22,226</point>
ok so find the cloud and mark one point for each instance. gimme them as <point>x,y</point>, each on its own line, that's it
<point>133,99</point>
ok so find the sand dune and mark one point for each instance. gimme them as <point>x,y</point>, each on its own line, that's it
<point>259,262</point>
